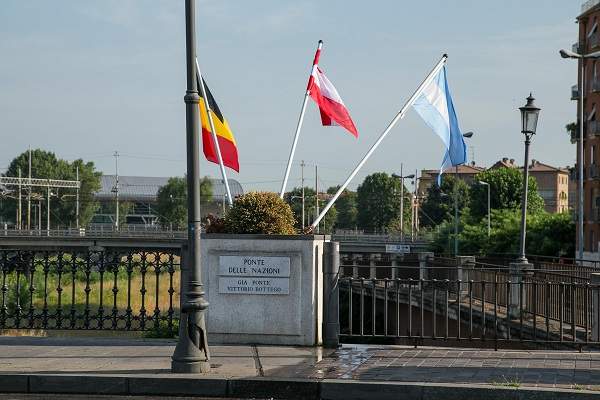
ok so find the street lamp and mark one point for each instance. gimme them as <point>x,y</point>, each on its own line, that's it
<point>192,354</point>
<point>488,204</point>
<point>582,57</point>
<point>402,177</point>
<point>466,135</point>
<point>529,120</point>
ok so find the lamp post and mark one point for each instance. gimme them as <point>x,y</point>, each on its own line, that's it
<point>191,354</point>
<point>488,204</point>
<point>529,120</point>
<point>466,135</point>
<point>402,177</point>
<point>582,57</point>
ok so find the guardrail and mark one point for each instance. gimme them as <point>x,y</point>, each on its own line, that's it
<point>94,233</point>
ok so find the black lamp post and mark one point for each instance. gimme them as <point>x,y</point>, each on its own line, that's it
<point>529,120</point>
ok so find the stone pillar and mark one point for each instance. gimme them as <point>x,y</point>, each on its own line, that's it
<point>463,265</point>
<point>423,271</point>
<point>595,293</point>
<point>331,270</point>
<point>518,272</point>
<point>372,269</point>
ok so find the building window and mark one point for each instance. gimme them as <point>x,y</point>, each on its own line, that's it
<point>593,155</point>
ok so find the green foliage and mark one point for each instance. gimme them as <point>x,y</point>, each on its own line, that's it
<point>294,199</point>
<point>506,189</point>
<point>346,207</point>
<point>163,331</point>
<point>438,205</point>
<point>45,164</point>
<point>547,234</point>
<point>172,201</point>
<point>260,212</point>
<point>378,202</point>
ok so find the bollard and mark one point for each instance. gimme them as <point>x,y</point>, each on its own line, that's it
<point>595,282</point>
<point>331,294</point>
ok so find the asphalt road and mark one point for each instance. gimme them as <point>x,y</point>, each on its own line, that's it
<point>88,397</point>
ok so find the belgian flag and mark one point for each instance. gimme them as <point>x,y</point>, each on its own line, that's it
<point>225,137</point>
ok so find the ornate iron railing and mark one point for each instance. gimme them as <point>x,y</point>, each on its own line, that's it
<point>90,290</point>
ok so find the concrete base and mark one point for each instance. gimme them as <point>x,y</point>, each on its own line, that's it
<point>293,317</point>
<point>181,367</point>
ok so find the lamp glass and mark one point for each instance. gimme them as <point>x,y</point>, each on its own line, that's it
<point>529,117</point>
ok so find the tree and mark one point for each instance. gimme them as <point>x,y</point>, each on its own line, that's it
<point>345,205</point>
<point>172,201</point>
<point>506,188</point>
<point>46,165</point>
<point>438,205</point>
<point>260,212</point>
<point>294,199</point>
<point>573,131</point>
<point>378,201</point>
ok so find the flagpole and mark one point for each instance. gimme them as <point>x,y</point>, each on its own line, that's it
<point>299,126</point>
<point>398,116</point>
<point>214,133</point>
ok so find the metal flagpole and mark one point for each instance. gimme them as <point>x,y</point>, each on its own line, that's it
<point>29,194</point>
<point>299,126</point>
<point>317,193</point>
<point>213,131</point>
<point>398,116</point>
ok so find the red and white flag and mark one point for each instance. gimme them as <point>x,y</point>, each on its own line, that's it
<point>322,91</point>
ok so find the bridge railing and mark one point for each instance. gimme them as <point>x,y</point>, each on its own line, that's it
<point>127,232</point>
<point>90,290</point>
<point>446,300</point>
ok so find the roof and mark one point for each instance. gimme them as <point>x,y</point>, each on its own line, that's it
<point>588,6</point>
<point>462,169</point>
<point>537,166</point>
<point>145,188</point>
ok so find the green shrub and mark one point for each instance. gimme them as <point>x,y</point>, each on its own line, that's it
<point>260,212</point>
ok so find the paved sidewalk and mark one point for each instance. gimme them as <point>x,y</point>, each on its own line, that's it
<point>519,369</point>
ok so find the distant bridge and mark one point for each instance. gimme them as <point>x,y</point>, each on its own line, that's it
<point>169,239</point>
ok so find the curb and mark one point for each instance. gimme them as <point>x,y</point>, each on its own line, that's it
<point>277,388</point>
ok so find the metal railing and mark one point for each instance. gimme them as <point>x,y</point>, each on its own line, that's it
<point>444,300</point>
<point>89,290</point>
<point>126,232</point>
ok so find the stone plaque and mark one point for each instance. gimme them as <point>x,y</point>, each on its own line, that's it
<point>253,285</point>
<point>254,266</point>
<point>254,275</point>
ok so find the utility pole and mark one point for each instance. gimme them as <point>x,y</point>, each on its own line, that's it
<point>19,210</point>
<point>302,164</point>
<point>116,190</point>
<point>317,193</point>
<point>416,205</point>
<point>29,194</point>
<point>77,197</point>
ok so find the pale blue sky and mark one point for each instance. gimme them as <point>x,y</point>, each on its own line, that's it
<point>85,78</point>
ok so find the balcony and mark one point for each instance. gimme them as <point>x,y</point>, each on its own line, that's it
<point>595,85</point>
<point>574,173</point>
<point>576,48</point>
<point>596,214</point>
<point>575,92</point>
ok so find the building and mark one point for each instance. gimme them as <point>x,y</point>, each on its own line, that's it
<point>141,192</point>
<point>589,42</point>
<point>553,185</point>
<point>465,172</point>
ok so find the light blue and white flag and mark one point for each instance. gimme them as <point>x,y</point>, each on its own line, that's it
<point>435,106</point>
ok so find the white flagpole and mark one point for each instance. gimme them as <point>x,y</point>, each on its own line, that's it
<point>214,134</point>
<point>299,126</point>
<point>398,116</point>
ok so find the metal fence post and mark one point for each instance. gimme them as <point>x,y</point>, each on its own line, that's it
<point>595,282</point>
<point>331,293</point>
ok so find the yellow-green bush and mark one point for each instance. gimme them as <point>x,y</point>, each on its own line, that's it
<point>260,212</point>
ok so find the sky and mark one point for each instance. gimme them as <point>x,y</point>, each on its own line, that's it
<point>85,78</point>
